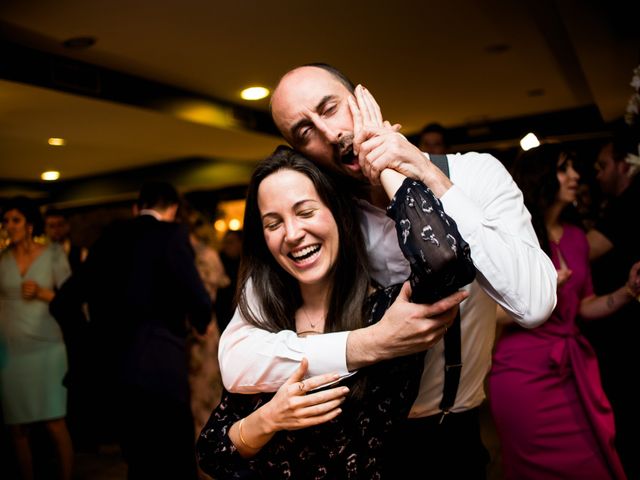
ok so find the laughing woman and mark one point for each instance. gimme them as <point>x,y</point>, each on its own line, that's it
<point>304,255</point>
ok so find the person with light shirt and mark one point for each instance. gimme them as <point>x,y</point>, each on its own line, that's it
<point>314,107</point>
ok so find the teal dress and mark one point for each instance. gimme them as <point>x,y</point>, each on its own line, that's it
<point>34,355</point>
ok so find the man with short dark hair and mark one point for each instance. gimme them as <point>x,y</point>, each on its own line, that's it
<point>141,285</point>
<point>57,229</point>
<point>433,139</point>
<point>613,249</point>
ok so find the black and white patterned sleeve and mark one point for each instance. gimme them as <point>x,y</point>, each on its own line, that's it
<point>440,259</point>
<point>217,455</point>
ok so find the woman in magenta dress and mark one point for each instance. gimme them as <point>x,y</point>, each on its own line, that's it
<point>552,416</point>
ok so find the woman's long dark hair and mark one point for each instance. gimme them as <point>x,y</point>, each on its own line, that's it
<point>535,171</point>
<point>277,292</point>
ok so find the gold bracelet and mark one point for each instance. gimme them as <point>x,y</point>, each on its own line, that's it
<point>244,442</point>
<point>630,292</point>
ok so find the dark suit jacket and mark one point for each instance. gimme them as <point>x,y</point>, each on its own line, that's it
<point>141,285</point>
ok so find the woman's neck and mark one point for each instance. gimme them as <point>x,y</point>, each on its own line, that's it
<point>313,311</point>
<point>315,298</point>
<point>552,221</point>
<point>24,247</point>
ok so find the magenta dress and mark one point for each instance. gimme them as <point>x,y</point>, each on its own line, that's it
<point>545,394</point>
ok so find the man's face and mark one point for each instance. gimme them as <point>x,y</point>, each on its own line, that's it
<point>608,171</point>
<point>56,228</point>
<point>311,110</point>
<point>432,142</point>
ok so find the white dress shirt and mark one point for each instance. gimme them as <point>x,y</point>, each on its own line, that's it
<point>511,268</point>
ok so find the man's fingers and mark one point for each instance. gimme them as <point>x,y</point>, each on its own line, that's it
<point>445,304</point>
<point>405,292</point>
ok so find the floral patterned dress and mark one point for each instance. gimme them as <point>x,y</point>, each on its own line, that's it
<point>352,445</point>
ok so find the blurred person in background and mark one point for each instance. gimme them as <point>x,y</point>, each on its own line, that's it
<point>31,375</point>
<point>143,291</point>
<point>58,230</point>
<point>613,249</point>
<point>433,139</point>
<point>204,372</point>
<point>230,252</point>
<point>545,394</point>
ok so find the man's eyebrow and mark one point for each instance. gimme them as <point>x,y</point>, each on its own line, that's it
<point>303,122</point>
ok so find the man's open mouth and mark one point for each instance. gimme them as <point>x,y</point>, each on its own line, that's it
<point>347,157</point>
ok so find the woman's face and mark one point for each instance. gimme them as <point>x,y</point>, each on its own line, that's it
<point>568,180</point>
<point>16,226</point>
<point>298,227</point>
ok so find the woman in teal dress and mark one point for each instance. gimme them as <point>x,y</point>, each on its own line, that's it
<point>35,361</point>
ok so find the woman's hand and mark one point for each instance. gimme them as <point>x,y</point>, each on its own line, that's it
<point>296,406</point>
<point>30,289</point>
<point>633,283</point>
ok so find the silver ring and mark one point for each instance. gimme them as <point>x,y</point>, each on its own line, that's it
<point>301,386</point>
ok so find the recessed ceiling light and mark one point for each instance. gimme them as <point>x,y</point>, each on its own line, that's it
<point>529,141</point>
<point>79,43</point>
<point>50,175</point>
<point>254,93</point>
<point>56,141</point>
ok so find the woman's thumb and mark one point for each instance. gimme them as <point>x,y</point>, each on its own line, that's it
<point>298,375</point>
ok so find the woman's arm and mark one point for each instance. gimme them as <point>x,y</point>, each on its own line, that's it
<point>294,406</point>
<point>594,307</point>
<point>439,257</point>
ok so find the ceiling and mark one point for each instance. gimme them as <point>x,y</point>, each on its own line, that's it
<point>462,63</point>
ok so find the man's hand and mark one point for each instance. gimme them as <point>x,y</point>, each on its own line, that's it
<point>404,329</point>
<point>379,145</point>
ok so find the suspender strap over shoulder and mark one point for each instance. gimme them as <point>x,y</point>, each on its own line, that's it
<point>452,341</point>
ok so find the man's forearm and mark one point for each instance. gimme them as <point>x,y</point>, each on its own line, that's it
<point>361,350</point>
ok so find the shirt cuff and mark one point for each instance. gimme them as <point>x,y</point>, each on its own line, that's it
<point>327,353</point>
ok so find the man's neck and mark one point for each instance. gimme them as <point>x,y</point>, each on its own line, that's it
<point>149,211</point>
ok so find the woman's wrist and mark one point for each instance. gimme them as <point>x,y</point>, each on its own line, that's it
<point>632,292</point>
<point>244,442</point>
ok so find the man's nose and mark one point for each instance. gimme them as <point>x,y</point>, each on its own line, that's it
<point>330,132</point>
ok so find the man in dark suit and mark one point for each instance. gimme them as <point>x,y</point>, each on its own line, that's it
<point>142,287</point>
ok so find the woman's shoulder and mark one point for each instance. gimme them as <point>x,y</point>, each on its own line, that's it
<point>573,232</point>
<point>5,252</point>
<point>574,236</point>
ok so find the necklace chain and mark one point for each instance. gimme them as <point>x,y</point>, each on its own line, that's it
<point>313,325</point>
